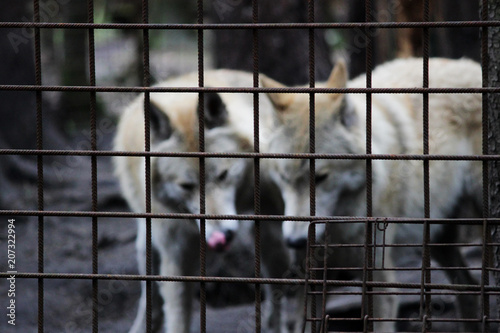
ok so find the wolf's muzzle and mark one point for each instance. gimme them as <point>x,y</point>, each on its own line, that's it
<point>296,242</point>
<point>220,240</point>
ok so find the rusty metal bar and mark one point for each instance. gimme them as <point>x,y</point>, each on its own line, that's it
<point>425,298</point>
<point>399,293</point>
<point>367,298</point>
<point>201,148</point>
<point>50,152</point>
<point>324,291</point>
<point>413,244</point>
<point>333,283</point>
<point>93,144</point>
<point>307,279</point>
<point>342,219</point>
<point>251,26</point>
<point>40,178</point>
<point>147,161</point>
<point>485,300</point>
<point>312,161</point>
<point>256,165</point>
<point>401,269</point>
<point>302,90</point>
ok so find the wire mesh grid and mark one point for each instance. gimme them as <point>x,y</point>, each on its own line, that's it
<point>325,283</point>
<point>317,283</point>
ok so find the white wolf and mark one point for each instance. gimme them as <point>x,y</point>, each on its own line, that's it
<point>340,128</point>
<point>175,186</point>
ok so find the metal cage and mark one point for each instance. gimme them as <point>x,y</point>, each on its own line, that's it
<point>320,315</point>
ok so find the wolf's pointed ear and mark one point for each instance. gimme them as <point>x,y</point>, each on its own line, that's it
<point>214,110</point>
<point>161,129</point>
<point>281,101</point>
<point>338,78</point>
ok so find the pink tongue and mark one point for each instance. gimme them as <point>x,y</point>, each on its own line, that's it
<point>217,240</point>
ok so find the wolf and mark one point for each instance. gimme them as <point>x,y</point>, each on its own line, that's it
<point>175,187</point>
<point>397,186</point>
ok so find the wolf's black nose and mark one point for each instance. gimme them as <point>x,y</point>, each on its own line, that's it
<point>296,243</point>
<point>229,235</point>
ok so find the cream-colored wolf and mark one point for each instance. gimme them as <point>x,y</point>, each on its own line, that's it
<point>175,187</point>
<point>340,128</point>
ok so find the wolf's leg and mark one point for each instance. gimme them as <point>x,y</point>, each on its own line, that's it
<point>296,293</point>
<point>276,262</point>
<point>300,298</point>
<point>157,312</point>
<point>385,306</point>
<point>139,324</point>
<point>178,305</point>
<point>178,257</point>
<point>450,256</point>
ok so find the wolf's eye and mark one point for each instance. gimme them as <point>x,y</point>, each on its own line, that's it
<point>321,177</point>
<point>187,186</point>
<point>222,176</point>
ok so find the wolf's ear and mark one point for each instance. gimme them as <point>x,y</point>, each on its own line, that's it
<point>161,129</point>
<point>214,110</point>
<point>338,78</point>
<point>281,101</point>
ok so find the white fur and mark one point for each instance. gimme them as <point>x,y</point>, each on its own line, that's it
<point>175,189</point>
<point>454,126</point>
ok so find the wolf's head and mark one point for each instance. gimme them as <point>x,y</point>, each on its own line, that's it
<point>338,130</point>
<point>176,180</point>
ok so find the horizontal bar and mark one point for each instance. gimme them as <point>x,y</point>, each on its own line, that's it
<point>402,157</point>
<point>253,26</point>
<point>404,220</point>
<point>398,293</point>
<point>407,319</point>
<point>403,245</point>
<point>131,277</point>
<point>303,90</point>
<point>186,216</point>
<point>395,269</point>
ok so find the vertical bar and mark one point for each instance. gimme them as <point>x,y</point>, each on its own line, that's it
<point>93,143</point>
<point>366,296</point>
<point>425,300</point>
<point>324,316</point>
<point>312,150</point>
<point>147,161</point>
<point>39,145</point>
<point>485,64</point>
<point>201,144</point>
<point>312,113</point>
<point>256,143</point>
<point>307,277</point>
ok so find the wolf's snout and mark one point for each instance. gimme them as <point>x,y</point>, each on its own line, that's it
<point>296,242</point>
<point>219,241</point>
